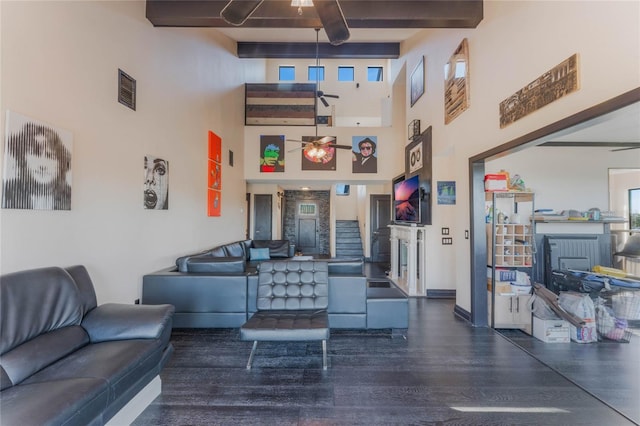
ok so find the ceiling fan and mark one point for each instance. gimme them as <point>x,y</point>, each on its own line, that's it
<point>236,12</point>
<point>319,149</point>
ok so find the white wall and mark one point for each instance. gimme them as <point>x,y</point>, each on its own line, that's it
<point>514,44</point>
<point>561,166</point>
<point>59,65</point>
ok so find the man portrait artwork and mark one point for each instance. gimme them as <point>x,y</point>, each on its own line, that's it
<point>271,153</point>
<point>156,183</point>
<point>365,158</point>
<point>37,169</point>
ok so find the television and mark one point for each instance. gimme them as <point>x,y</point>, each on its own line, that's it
<point>406,199</point>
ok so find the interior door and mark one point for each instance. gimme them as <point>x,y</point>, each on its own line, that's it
<point>380,232</point>
<point>262,217</point>
<point>307,229</point>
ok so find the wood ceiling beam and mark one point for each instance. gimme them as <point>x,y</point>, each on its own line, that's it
<point>358,13</point>
<point>325,50</point>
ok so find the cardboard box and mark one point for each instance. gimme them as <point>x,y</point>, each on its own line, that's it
<point>551,331</point>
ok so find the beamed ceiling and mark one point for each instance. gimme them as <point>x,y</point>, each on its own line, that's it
<point>275,15</point>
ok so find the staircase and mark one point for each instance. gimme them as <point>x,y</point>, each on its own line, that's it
<point>348,241</point>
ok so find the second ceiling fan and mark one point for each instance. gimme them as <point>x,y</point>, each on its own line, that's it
<point>236,12</point>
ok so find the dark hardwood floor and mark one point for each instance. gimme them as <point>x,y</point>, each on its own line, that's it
<point>444,372</point>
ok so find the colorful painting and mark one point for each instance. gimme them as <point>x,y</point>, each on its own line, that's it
<point>365,154</point>
<point>446,192</point>
<point>271,153</point>
<point>215,147</point>
<point>214,202</point>
<point>550,86</point>
<point>37,165</point>
<point>156,183</point>
<point>311,160</point>
<point>215,175</point>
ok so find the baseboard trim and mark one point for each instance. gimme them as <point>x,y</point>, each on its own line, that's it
<point>462,313</point>
<point>138,403</point>
<point>441,294</point>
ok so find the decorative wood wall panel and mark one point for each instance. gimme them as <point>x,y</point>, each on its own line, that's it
<point>280,104</point>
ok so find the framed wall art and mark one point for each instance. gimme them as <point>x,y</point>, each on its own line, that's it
<point>456,86</point>
<point>417,81</point>
<point>550,86</point>
<point>214,175</point>
<point>37,165</point>
<point>418,162</point>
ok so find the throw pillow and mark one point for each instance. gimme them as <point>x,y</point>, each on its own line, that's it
<point>259,254</point>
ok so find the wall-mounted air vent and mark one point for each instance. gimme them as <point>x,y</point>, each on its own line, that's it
<point>126,90</point>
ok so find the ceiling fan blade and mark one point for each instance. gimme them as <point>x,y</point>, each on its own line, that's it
<point>325,139</point>
<point>625,149</point>
<point>326,95</point>
<point>238,11</point>
<point>333,21</point>
<point>341,146</point>
<point>324,101</point>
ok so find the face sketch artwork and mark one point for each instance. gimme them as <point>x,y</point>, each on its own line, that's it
<point>41,162</point>
<point>156,183</point>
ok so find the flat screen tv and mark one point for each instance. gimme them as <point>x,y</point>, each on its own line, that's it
<point>406,199</point>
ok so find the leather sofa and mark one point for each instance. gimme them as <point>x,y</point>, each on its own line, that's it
<point>67,361</point>
<point>221,291</point>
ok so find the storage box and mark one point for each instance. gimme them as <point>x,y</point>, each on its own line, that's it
<point>496,182</point>
<point>551,331</point>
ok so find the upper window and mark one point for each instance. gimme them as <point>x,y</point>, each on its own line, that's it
<point>287,73</point>
<point>374,73</point>
<point>345,74</point>
<point>316,73</point>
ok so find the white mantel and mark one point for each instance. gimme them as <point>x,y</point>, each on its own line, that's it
<point>408,258</point>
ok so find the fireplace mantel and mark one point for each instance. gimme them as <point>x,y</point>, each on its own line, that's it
<point>408,258</point>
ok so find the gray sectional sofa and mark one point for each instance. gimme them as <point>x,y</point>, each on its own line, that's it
<point>66,361</point>
<point>217,288</point>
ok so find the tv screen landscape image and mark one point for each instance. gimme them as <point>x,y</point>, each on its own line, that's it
<point>406,200</point>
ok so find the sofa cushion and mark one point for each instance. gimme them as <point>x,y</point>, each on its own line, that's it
<point>74,401</point>
<point>236,249</point>
<point>119,363</point>
<point>277,248</point>
<point>211,264</point>
<point>259,254</point>
<point>30,357</point>
<point>47,296</point>
<point>117,321</point>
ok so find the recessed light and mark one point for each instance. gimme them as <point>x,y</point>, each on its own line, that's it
<point>305,188</point>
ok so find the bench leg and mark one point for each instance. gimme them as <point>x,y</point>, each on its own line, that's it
<point>253,351</point>
<point>324,354</point>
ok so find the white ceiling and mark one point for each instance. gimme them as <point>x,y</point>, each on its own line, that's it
<point>622,125</point>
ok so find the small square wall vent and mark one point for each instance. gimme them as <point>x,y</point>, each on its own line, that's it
<point>126,90</point>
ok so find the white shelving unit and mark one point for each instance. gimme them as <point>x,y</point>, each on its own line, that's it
<point>510,246</point>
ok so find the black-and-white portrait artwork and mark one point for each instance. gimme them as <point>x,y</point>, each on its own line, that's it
<point>37,165</point>
<point>156,183</point>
